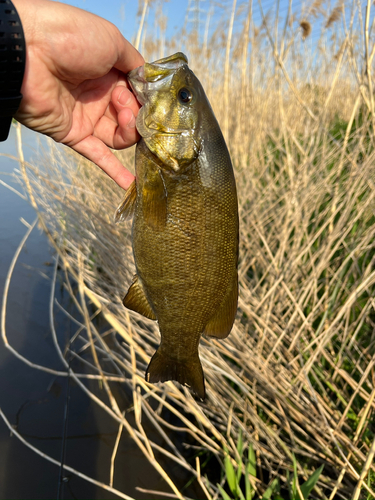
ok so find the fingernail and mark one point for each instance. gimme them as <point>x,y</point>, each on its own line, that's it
<point>124,98</point>
<point>131,123</point>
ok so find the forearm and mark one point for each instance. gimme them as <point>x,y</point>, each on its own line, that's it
<point>12,65</point>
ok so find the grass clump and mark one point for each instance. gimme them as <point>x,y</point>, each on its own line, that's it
<point>247,471</point>
<point>293,385</point>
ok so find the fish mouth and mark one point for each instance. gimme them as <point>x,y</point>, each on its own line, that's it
<point>150,128</point>
<point>152,125</point>
<point>156,75</point>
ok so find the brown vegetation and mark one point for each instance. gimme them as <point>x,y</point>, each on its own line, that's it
<point>296,375</point>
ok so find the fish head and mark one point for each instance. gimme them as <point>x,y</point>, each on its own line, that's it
<point>173,103</point>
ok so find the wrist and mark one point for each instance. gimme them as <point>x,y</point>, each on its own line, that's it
<point>12,65</point>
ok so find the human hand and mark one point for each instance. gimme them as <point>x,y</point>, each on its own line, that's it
<point>74,88</point>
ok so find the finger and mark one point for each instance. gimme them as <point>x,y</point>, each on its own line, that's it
<point>122,98</point>
<point>127,130</point>
<point>96,151</point>
<point>120,133</point>
<point>128,56</point>
<point>117,127</point>
<point>111,112</point>
<point>121,85</point>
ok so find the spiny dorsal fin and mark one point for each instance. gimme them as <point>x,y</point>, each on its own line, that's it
<point>136,300</point>
<point>126,208</point>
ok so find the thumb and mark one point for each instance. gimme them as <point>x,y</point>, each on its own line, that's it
<point>128,56</point>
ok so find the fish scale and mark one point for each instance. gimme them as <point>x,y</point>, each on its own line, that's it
<point>185,225</point>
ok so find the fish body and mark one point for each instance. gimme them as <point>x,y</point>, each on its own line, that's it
<point>185,225</point>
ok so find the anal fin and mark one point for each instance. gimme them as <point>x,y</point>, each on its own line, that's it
<point>220,324</point>
<point>136,300</point>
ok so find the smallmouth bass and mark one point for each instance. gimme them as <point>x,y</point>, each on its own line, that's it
<point>185,225</point>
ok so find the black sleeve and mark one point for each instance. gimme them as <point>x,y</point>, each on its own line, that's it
<point>12,64</point>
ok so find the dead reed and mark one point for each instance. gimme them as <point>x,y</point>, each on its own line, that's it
<point>296,375</point>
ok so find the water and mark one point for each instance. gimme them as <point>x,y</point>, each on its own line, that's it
<point>34,401</point>
<point>26,397</point>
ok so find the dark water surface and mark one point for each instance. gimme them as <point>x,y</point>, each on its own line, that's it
<point>34,401</point>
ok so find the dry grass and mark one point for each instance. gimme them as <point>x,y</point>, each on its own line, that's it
<point>296,375</point>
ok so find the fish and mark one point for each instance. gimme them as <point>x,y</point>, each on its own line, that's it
<point>185,231</point>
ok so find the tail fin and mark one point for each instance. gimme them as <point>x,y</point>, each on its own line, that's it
<point>163,367</point>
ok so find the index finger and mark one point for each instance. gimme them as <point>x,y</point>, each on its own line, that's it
<point>95,150</point>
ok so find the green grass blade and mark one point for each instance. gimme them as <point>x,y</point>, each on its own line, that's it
<point>308,485</point>
<point>272,488</point>
<point>250,470</point>
<point>230,474</point>
<point>240,453</point>
<point>240,494</point>
<point>251,464</point>
<point>248,486</point>
<point>293,490</point>
<point>249,492</point>
<point>224,494</point>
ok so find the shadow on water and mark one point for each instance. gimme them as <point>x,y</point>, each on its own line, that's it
<point>34,401</point>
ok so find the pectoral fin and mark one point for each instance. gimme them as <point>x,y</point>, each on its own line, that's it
<point>154,199</point>
<point>136,300</point>
<point>220,324</point>
<point>126,209</point>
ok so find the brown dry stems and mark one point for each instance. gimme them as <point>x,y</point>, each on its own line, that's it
<point>296,375</point>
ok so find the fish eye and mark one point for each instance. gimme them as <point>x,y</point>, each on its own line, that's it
<point>185,96</point>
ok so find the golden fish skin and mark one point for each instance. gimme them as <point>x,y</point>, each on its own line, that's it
<point>185,226</point>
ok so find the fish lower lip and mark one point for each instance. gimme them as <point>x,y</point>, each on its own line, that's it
<point>164,130</point>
